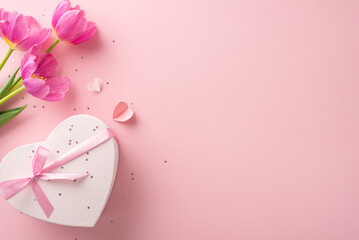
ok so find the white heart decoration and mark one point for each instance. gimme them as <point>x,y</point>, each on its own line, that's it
<point>76,203</point>
<point>95,85</point>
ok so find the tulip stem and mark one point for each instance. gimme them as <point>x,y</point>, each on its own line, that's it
<point>12,94</point>
<point>6,58</point>
<point>53,45</point>
<point>16,84</point>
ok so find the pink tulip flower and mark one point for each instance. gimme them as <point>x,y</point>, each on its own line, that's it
<point>21,32</point>
<point>70,24</point>
<point>3,14</point>
<point>38,73</point>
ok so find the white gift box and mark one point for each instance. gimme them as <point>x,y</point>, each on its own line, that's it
<point>75,203</point>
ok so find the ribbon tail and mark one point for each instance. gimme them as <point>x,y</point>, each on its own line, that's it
<point>62,176</point>
<point>11,187</point>
<point>42,199</point>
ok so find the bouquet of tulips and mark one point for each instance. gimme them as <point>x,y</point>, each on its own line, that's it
<point>37,73</point>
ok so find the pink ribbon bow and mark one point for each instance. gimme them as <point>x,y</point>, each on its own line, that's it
<point>11,187</point>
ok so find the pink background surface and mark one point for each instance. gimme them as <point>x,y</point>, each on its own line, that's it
<point>246,118</point>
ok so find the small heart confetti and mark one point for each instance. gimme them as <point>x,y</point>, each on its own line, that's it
<point>95,85</point>
<point>122,113</point>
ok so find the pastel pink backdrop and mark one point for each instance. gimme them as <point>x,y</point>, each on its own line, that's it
<point>246,118</point>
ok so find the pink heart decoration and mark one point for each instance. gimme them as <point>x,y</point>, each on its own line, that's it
<point>95,85</point>
<point>122,113</point>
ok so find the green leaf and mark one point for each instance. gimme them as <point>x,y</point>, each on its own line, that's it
<point>5,89</point>
<point>7,115</point>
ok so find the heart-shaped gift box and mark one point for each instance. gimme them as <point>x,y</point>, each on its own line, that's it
<point>78,202</point>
